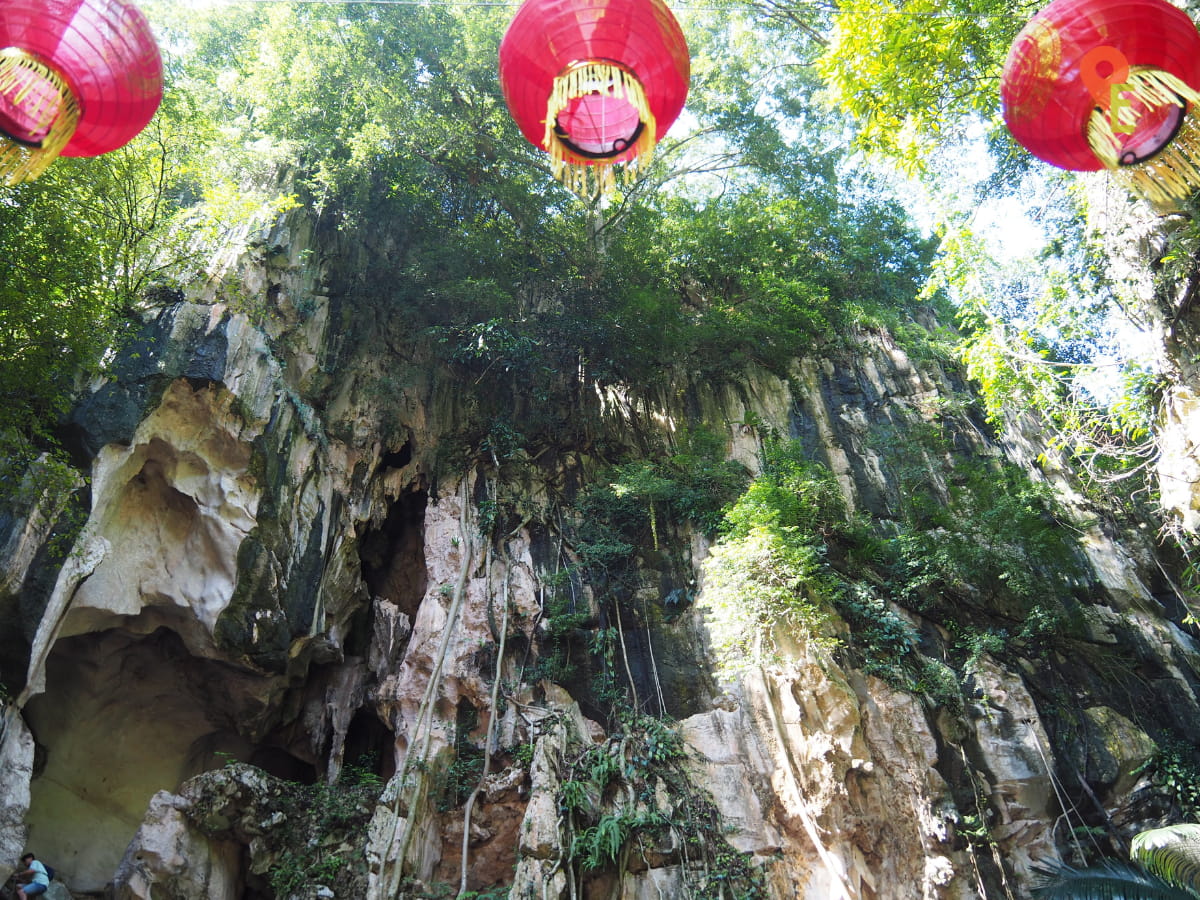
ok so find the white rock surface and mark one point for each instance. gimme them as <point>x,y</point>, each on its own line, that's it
<point>173,508</point>
<point>169,860</point>
<point>16,768</point>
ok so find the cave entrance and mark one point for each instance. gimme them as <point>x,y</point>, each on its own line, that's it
<point>393,555</point>
<point>370,745</point>
<point>123,716</point>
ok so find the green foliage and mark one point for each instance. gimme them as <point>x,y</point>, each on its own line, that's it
<point>1172,853</point>
<point>976,534</point>
<point>576,796</point>
<point>768,273</point>
<point>1175,770</point>
<point>44,480</point>
<point>1109,881</point>
<point>601,766</point>
<point>362,776</point>
<point>320,818</point>
<point>989,535</point>
<point>662,744</point>
<point>1044,336</point>
<point>765,580</point>
<point>883,639</point>
<point>768,575</point>
<point>92,242</point>
<point>495,893</point>
<point>913,76</point>
<point>1040,339</point>
<point>629,513</point>
<point>601,844</point>
<point>395,120</point>
<point>974,829</point>
<point>1167,865</point>
<point>938,683</point>
<point>524,754</point>
<point>791,494</point>
<point>55,315</point>
<point>620,512</point>
<point>391,132</point>
<point>971,643</point>
<point>461,777</point>
<point>636,791</point>
<point>563,617</point>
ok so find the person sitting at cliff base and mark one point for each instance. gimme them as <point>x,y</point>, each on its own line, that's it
<point>37,876</point>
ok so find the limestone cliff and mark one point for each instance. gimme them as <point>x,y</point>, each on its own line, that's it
<point>321,621</point>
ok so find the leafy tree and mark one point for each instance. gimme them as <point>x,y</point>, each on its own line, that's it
<point>86,245</point>
<point>915,75</point>
<point>767,576</point>
<point>749,241</point>
<point>1046,344</point>
<point>53,309</point>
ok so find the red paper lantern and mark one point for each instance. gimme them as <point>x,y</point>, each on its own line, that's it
<point>77,78</point>
<point>1093,84</point>
<point>594,83</point>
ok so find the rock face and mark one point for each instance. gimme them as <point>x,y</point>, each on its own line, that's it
<point>288,567</point>
<point>16,762</point>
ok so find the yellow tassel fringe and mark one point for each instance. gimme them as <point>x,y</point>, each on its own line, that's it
<point>597,176</point>
<point>21,73</point>
<point>1174,172</point>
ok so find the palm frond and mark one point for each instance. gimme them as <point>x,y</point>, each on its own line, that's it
<point>1171,853</point>
<point>1108,881</point>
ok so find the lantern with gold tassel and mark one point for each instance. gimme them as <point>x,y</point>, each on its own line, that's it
<point>77,78</point>
<point>595,83</point>
<point>1093,84</point>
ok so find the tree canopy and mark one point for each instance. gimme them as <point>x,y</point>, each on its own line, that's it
<point>760,231</point>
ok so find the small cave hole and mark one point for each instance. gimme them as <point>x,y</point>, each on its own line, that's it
<point>397,459</point>
<point>278,762</point>
<point>256,886</point>
<point>370,745</point>
<point>393,555</point>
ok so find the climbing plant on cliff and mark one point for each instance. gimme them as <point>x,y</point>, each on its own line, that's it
<point>634,800</point>
<point>978,548</point>
<point>629,519</point>
<point>767,580</point>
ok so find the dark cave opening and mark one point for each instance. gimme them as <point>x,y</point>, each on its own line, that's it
<point>370,745</point>
<point>278,762</point>
<point>397,459</point>
<point>393,555</point>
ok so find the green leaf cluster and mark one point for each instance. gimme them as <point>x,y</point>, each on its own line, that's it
<point>636,791</point>
<point>913,74</point>
<point>319,820</point>
<point>767,576</point>
<point>979,537</point>
<point>621,511</point>
<point>1166,866</point>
